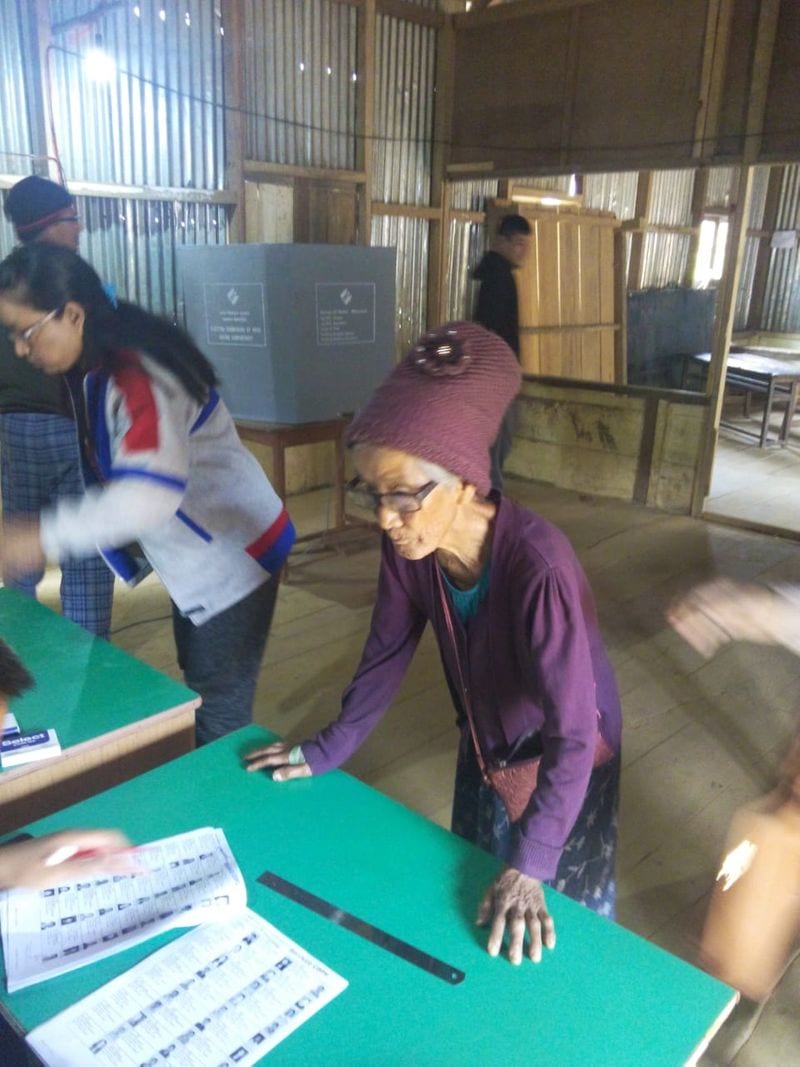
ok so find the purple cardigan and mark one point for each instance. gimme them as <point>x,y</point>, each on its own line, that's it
<point>534,658</point>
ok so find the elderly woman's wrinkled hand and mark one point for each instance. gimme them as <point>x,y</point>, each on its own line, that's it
<point>515,902</point>
<point>286,759</point>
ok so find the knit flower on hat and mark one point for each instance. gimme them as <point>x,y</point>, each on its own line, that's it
<point>441,354</point>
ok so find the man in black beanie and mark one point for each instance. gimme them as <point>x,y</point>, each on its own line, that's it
<point>39,456</point>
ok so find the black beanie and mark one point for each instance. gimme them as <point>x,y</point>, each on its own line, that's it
<point>34,203</point>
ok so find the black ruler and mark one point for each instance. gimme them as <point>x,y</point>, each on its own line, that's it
<point>364,929</point>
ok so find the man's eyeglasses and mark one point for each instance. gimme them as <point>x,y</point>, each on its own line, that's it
<point>403,503</point>
<point>27,335</point>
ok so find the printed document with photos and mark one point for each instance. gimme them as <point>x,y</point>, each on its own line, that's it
<point>188,879</point>
<point>223,994</point>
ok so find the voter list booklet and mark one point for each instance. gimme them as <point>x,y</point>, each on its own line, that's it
<point>188,879</point>
<point>225,993</point>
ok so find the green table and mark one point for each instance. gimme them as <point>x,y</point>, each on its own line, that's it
<point>603,997</point>
<point>115,716</point>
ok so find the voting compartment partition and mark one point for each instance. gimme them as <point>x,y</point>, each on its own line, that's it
<point>296,333</point>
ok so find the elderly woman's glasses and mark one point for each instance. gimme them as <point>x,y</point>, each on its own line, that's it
<point>27,335</point>
<point>403,503</point>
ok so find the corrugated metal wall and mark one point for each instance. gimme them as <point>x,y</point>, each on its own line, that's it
<point>301,76</point>
<point>160,121</point>
<point>612,192</point>
<point>15,126</point>
<point>782,296</point>
<point>410,238</point>
<point>405,57</point>
<point>472,196</point>
<point>467,243</point>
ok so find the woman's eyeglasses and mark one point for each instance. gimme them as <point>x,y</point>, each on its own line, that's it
<point>27,335</point>
<point>403,503</point>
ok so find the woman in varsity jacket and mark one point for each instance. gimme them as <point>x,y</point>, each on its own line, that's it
<point>166,475</point>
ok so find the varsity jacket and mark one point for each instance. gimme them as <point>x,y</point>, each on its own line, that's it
<point>165,471</point>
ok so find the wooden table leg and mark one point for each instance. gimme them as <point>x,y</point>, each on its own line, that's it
<point>791,406</point>
<point>338,483</point>
<point>767,413</point>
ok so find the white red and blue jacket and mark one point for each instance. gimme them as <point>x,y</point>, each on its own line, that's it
<point>165,471</point>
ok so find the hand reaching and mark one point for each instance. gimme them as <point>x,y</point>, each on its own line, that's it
<point>516,902</point>
<point>283,757</point>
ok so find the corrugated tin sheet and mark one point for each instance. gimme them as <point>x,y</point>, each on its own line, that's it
<point>472,196</point>
<point>410,238</point>
<point>612,192</point>
<point>743,296</point>
<point>160,120</point>
<point>132,244</point>
<point>664,259</point>
<point>720,186</point>
<point>782,298</point>
<point>15,139</point>
<point>560,183</point>
<point>301,75</point>
<point>466,245</point>
<point>405,58</point>
<point>671,197</point>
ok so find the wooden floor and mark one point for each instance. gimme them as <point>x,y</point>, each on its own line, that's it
<point>757,485</point>
<point>700,737</point>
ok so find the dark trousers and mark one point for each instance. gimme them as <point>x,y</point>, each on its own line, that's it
<point>501,447</point>
<point>220,660</point>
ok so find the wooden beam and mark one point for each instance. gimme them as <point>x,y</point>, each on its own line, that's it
<point>365,109</point>
<point>154,192</point>
<point>712,77</point>
<point>759,80</point>
<point>518,9</point>
<point>764,255</point>
<point>699,195</point>
<point>621,302</point>
<point>570,86</point>
<point>644,192</point>
<point>723,329</point>
<point>257,170</point>
<point>406,211</point>
<point>233,49</point>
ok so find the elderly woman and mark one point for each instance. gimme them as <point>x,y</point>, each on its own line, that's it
<point>516,626</point>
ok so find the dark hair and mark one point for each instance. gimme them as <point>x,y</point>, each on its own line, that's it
<point>15,678</point>
<point>511,225</point>
<point>46,277</point>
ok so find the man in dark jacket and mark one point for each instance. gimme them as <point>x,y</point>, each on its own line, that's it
<point>497,309</point>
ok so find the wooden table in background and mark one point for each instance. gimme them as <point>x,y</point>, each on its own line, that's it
<point>278,436</point>
<point>115,716</point>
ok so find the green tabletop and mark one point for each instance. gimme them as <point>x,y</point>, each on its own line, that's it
<point>604,996</point>
<point>85,686</point>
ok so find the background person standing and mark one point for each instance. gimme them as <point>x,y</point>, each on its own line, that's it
<point>39,452</point>
<point>498,310</point>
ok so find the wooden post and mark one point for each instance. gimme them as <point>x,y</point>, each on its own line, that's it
<point>699,193</point>
<point>621,302</point>
<point>723,328</point>
<point>365,107</point>
<point>712,77</point>
<point>440,188</point>
<point>235,127</point>
<point>759,78</point>
<point>644,191</point>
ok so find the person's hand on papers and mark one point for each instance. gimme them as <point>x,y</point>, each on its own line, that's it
<point>286,759</point>
<point>20,548</point>
<point>717,612</point>
<point>64,857</point>
<point>515,902</point>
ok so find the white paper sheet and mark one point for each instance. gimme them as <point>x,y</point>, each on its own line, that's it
<point>191,878</point>
<point>226,993</point>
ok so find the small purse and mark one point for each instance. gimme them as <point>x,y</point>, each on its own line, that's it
<point>514,782</point>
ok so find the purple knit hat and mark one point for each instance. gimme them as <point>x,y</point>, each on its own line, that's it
<point>444,401</point>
